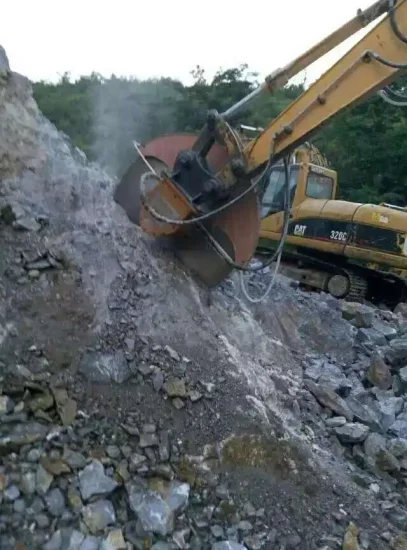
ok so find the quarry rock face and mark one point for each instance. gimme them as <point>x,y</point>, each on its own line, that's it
<point>136,413</point>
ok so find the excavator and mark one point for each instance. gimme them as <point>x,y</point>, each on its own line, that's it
<point>220,198</point>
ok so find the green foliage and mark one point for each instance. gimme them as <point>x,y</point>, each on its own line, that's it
<point>367,144</point>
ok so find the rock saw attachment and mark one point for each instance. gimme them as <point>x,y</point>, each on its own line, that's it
<point>173,182</point>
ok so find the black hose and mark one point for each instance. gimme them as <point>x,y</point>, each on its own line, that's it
<point>393,23</point>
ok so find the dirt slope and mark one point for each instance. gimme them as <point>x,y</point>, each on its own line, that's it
<point>185,425</point>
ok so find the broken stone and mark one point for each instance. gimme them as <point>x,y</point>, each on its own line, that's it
<point>6,404</point>
<point>26,224</point>
<point>387,462</point>
<point>43,480</point>
<point>98,515</point>
<point>66,406</point>
<point>335,421</point>
<point>370,336</point>
<point>11,493</point>
<point>195,395</point>
<point>55,467</point>
<point>74,459</point>
<point>175,387</point>
<point>359,315</point>
<point>398,447</point>
<point>148,440</point>
<point>351,539</point>
<point>364,414</point>
<point>172,353</point>
<point>228,545</point>
<point>114,541</point>
<point>22,434</point>
<point>328,398</point>
<point>55,502</point>
<point>104,368</point>
<point>94,482</point>
<point>352,432</point>
<point>178,403</point>
<point>396,352</point>
<point>379,373</point>
<point>90,543</point>
<point>156,509</point>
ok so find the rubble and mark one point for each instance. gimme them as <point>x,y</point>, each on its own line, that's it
<point>134,415</point>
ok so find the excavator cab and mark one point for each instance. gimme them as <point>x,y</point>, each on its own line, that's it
<point>307,181</point>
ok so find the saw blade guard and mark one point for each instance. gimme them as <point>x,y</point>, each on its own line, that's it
<point>235,229</point>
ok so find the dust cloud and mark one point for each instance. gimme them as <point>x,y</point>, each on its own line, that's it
<point>128,110</point>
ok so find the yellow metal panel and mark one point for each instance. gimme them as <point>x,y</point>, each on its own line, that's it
<point>339,210</point>
<point>381,216</point>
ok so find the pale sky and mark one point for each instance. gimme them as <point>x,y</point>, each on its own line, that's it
<point>45,38</point>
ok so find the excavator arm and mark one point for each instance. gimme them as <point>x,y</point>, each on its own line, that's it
<point>371,65</point>
<point>202,191</point>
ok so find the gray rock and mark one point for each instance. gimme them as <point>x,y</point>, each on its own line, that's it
<point>401,309</point>
<point>387,461</point>
<point>396,352</point>
<point>389,332</point>
<point>74,459</point>
<point>360,315</point>
<point>11,493</point>
<point>28,483</point>
<point>370,336</point>
<point>6,404</point>
<point>398,447</point>
<point>43,480</point>
<point>328,398</point>
<point>352,433</point>
<point>172,353</point>
<point>373,444</point>
<point>55,542</point>
<point>74,541</point>
<point>175,387</point>
<point>364,414</point>
<point>42,521</point>
<point>113,451</point>
<point>114,541</point>
<point>332,377</point>
<point>399,426</point>
<point>335,421</point>
<point>379,373</point>
<point>19,506</point>
<point>103,368</point>
<point>403,376</point>
<point>90,543</point>
<point>94,482</point>
<point>148,440</point>
<point>156,511</point>
<point>4,63</point>
<point>228,545</point>
<point>22,434</point>
<point>217,531</point>
<point>98,515</point>
<point>55,501</point>
<point>26,223</point>
<point>388,408</point>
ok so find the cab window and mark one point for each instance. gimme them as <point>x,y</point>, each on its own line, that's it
<point>273,198</point>
<point>319,186</point>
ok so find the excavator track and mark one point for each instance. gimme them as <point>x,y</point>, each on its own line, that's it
<point>358,288</point>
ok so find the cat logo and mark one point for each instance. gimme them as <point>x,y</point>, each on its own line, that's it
<point>377,217</point>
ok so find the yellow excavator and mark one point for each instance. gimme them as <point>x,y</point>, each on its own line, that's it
<point>220,197</point>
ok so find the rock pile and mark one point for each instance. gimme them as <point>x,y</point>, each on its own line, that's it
<point>134,415</point>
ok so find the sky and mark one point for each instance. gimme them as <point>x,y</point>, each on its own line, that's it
<point>45,38</point>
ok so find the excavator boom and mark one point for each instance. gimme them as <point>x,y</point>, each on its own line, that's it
<point>203,193</point>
